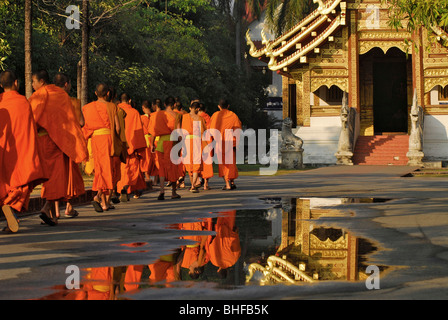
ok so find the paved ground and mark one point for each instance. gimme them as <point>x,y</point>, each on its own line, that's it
<point>411,232</point>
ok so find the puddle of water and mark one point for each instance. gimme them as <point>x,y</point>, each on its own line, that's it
<point>279,245</point>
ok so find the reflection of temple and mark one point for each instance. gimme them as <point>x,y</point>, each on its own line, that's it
<point>334,248</point>
<point>310,252</point>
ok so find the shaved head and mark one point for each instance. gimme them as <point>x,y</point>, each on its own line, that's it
<point>43,75</point>
<point>7,79</point>
<point>60,79</point>
<point>102,90</point>
<point>125,97</point>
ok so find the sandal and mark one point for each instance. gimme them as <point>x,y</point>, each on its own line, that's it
<point>161,196</point>
<point>97,206</point>
<point>47,219</point>
<point>72,214</point>
<point>177,196</point>
<point>194,190</point>
<point>11,219</point>
<point>124,197</point>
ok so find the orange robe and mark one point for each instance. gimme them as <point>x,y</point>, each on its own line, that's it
<point>133,277</point>
<point>194,146</point>
<point>147,162</point>
<point>207,167</point>
<point>206,118</point>
<point>131,174</point>
<point>100,284</point>
<point>225,248</point>
<point>222,120</point>
<point>161,124</point>
<point>162,270</point>
<point>21,163</point>
<point>61,142</point>
<point>76,103</point>
<point>98,128</point>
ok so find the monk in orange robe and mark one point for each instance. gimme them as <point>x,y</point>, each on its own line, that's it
<point>224,249</point>
<point>161,124</point>
<point>207,167</point>
<point>22,167</point>
<point>61,142</point>
<point>147,163</point>
<point>100,125</point>
<point>120,144</point>
<point>223,120</point>
<point>179,108</point>
<point>195,126</point>
<point>132,179</point>
<point>63,81</point>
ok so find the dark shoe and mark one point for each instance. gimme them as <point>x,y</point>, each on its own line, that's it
<point>161,196</point>
<point>47,219</point>
<point>115,200</point>
<point>97,206</point>
<point>123,197</point>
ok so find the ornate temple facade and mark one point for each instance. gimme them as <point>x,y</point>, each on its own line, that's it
<point>349,47</point>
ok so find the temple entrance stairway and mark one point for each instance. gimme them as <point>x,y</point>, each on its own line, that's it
<point>381,150</point>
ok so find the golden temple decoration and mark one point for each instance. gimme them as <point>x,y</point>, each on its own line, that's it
<point>430,83</point>
<point>278,270</point>
<point>316,243</point>
<point>341,83</point>
<point>366,46</point>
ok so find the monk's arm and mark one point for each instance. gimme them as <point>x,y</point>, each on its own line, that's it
<point>82,121</point>
<point>117,124</point>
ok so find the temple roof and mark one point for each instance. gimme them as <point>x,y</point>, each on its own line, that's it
<point>293,46</point>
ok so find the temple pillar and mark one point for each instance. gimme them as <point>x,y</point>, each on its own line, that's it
<point>353,65</point>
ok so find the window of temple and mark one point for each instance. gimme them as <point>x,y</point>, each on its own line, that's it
<point>328,96</point>
<point>443,94</point>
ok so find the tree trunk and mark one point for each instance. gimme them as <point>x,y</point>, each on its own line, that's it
<point>28,48</point>
<point>79,80</point>
<point>85,53</point>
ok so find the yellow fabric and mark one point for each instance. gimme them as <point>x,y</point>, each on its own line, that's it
<point>160,141</point>
<point>101,132</point>
<point>147,137</point>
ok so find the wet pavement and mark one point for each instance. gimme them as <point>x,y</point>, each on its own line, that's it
<point>331,233</point>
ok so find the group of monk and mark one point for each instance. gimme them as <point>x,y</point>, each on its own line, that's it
<point>49,139</point>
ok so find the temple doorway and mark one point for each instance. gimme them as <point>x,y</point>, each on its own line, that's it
<point>385,81</point>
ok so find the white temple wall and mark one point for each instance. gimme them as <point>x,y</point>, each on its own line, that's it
<point>435,137</point>
<point>320,140</point>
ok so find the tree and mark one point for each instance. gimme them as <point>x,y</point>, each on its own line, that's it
<point>28,48</point>
<point>414,14</point>
<point>281,15</point>
<point>85,53</point>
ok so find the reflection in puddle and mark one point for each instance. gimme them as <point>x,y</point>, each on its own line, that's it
<point>280,245</point>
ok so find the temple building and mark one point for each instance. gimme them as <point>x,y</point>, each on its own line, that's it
<point>347,48</point>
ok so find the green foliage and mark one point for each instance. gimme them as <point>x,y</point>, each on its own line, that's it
<point>150,49</point>
<point>414,14</point>
<point>281,15</point>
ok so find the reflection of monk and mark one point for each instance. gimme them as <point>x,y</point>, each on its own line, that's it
<point>224,249</point>
<point>194,256</point>
<point>165,269</point>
